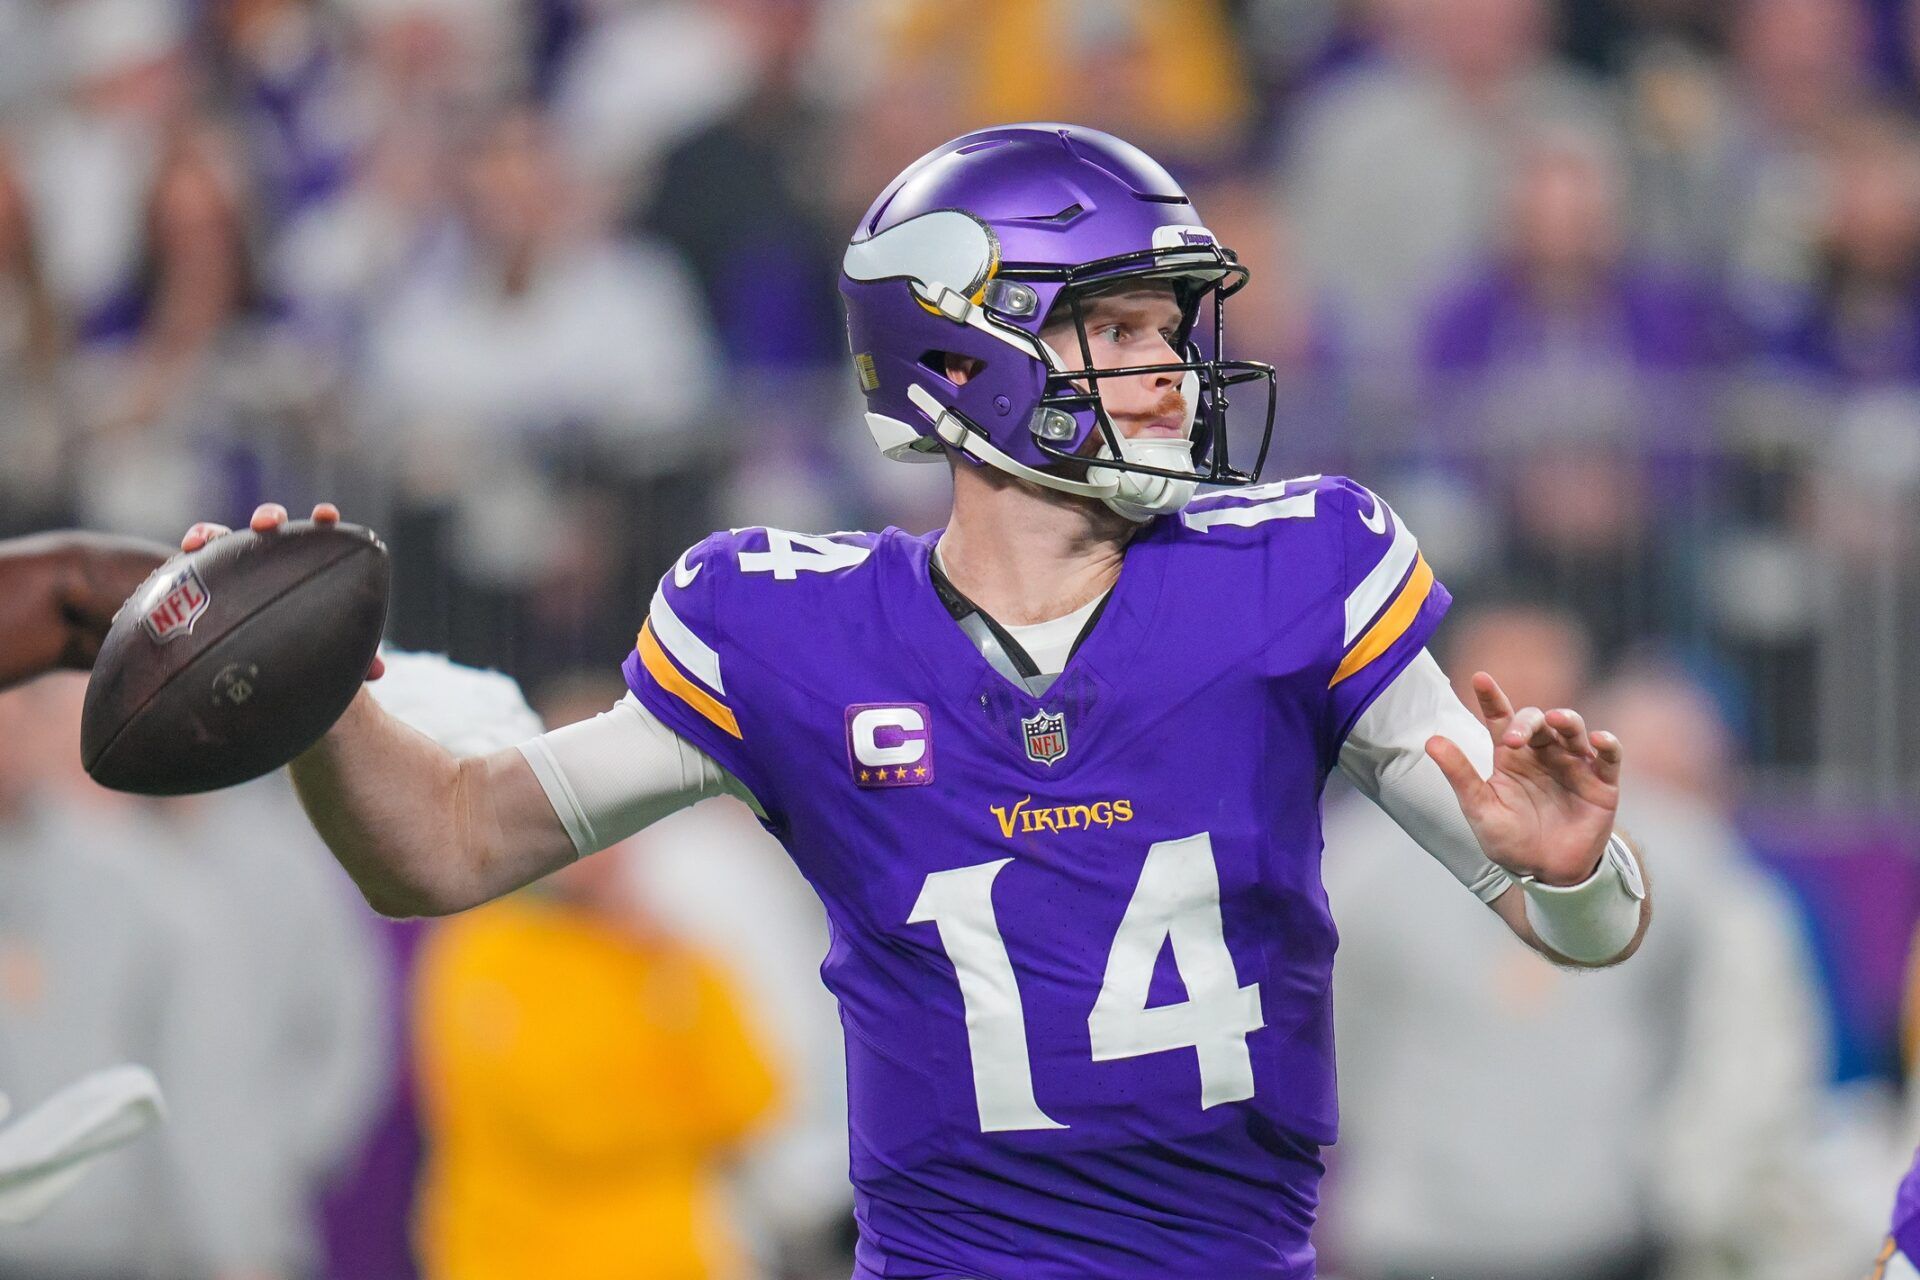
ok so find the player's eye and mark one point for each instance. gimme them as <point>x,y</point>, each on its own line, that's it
<point>1114,333</point>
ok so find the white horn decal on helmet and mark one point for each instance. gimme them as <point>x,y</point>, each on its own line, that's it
<point>945,249</point>
<point>934,251</point>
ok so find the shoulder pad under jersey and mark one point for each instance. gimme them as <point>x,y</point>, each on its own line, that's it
<point>720,616</point>
<point>1333,539</point>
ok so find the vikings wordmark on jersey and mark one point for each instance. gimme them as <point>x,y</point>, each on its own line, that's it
<point>1084,966</point>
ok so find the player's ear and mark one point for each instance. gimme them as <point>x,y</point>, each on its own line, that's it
<point>959,369</point>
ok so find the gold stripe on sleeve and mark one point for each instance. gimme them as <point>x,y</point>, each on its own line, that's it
<point>669,678</point>
<point>1392,625</point>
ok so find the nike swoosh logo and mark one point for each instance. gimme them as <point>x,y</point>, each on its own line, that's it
<point>1376,520</point>
<point>682,576</point>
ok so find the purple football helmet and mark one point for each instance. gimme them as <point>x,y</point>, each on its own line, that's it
<point>971,251</point>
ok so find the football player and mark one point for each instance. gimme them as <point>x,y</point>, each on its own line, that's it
<point>58,595</point>
<point>1055,771</point>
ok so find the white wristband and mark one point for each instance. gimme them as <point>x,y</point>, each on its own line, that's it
<point>1593,921</point>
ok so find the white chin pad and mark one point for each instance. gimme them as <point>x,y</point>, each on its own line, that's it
<point>1142,497</point>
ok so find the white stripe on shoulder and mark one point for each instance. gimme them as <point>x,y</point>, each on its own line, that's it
<point>1295,506</point>
<point>686,648</point>
<point>1378,586</point>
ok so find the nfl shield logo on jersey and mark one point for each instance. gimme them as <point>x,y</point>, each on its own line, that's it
<point>1046,736</point>
<point>181,600</point>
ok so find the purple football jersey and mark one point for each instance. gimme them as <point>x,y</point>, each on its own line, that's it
<point>1080,944</point>
<point>1906,1214</point>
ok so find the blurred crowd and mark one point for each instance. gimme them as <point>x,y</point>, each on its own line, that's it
<point>1617,301</point>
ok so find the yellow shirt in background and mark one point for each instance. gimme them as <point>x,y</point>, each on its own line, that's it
<point>1160,73</point>
<point>580,1088</point>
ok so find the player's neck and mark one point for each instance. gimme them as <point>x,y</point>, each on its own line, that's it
<point>1024,555</point>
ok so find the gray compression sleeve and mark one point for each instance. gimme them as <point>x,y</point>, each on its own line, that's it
<point>620,771</point>
<point>1386,757</point>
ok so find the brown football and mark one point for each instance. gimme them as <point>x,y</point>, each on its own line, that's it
<point>231,660</point>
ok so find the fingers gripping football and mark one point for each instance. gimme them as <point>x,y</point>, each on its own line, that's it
<point>267,517</point>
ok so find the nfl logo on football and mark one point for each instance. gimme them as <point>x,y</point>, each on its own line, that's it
<point>181,603</point>
<point>1046,736</point>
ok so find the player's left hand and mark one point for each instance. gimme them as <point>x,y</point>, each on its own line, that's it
<point>1549,807</point>
<point>104,571</point>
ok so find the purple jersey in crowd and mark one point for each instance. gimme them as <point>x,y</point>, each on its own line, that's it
<point>1905,1240</point>
<point>1080,944</point>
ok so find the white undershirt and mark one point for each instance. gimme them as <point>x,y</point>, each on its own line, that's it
<point>612,775</point>
<point>1050,643</point>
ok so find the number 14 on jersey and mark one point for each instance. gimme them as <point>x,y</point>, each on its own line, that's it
<point>1177,900</point>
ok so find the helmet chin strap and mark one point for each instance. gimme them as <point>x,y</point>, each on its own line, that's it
<point>957,432</point>
<point>1138,496</point>
<point>1132,494</point>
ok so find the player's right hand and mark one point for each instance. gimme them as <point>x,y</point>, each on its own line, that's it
<point>267,517</point>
